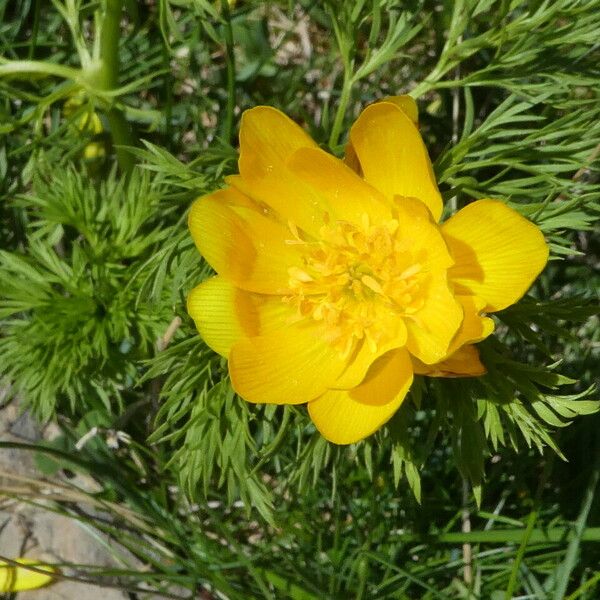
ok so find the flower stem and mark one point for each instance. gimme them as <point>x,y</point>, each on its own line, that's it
<point>121,132</point>
<point>445,64</point>
<point>341,109</point>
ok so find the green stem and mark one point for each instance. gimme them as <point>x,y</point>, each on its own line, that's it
<point>121,132</point>
<point>539,535</point>
<point>34,29</point>
<point>586,587</point>
<point>341,109</point>
<point>168,93</point>
<point>444,65</point>
<point>39,67</point>
<point>573,550</point>
<point>230,62</point>
<point>531,521</point>
<point>109,44</point>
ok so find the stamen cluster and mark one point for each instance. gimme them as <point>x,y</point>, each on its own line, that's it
<point>360,281</point>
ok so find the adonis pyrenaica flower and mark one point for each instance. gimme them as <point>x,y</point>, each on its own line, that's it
<point>336,281</point>
<point>18,577</point>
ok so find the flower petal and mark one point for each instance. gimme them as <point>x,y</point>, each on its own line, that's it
<point>351,159</point>
<point>431,329</point>
<point>222,313</point>
<point>407,104</point>
<point>348,196</point>
<point>392,155</point>
<point>345,417</point>
<point>498,253</point>
<point>421,234</point>
<point>465,362</point>
<point>19,579</point>
<point>292,366</point>
<point>267,139</point>
<point>365,356</point>
<point>474,327</point>
<point>241,244</point>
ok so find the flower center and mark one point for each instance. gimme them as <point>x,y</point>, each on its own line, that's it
<point>359,281</point>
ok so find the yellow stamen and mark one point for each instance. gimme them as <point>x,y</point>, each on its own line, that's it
<point>359,281</point>
<point>372,284</point>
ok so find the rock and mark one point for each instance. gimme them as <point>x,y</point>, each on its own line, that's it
<point>36,532</point>
<point>73,590</point>
<point>67,538</point>
<point>13,534</point>
<point>26,428</point>
<point>20,427</point>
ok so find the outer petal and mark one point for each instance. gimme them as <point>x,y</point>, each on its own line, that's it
<point>345,417</point>
<point>222,313</point>
<point>392,155</point>
<point>431,329</point>
<point>464,357</point>
<point>285,367</point>
<point>244,246</point>
<point>348,195</point>
<point>465,362</point>
<point>267,140</point>
<point>474,327</point>
<point>408,106</point>
<point>498,253</point>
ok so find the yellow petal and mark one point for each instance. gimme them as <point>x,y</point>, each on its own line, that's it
<point>288,197</point>
<point>274,314</point>
<point>421,234</point>
<point>351,159</point>
<point>365,356</point>
<point>222,313</point>
<point>291,366</point>
<point>393,157</point>
<point>463,359</point>
<point>408,106</point>
<point>19,579</point>
<point>465,362</point>
<point>346,194</point>
<point>431,329</point>
<point>251,250</point>
<point>235,199</point>
<point>474,327</point>
<point>267,140</point>
<point>345,417</point>
<point>498,253</point>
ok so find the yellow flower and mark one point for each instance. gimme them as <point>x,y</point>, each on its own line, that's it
<point>335,281</point>
<point>19,579</point>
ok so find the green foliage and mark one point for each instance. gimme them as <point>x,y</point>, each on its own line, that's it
<point>95,264</point>
<point>77,332</point>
